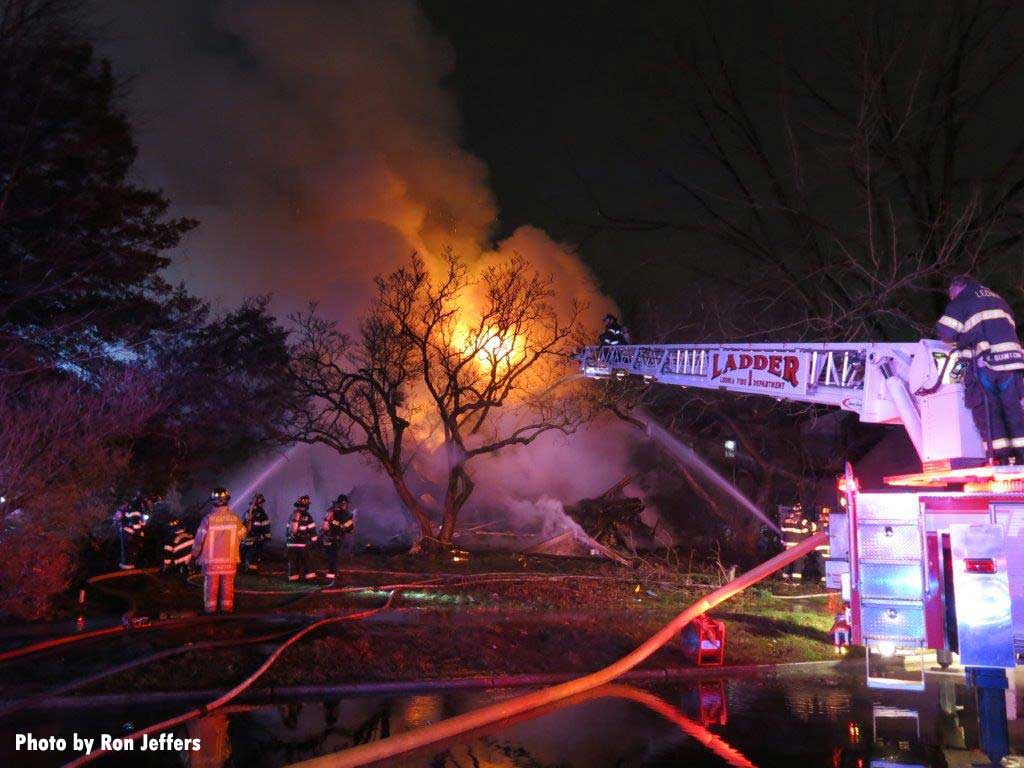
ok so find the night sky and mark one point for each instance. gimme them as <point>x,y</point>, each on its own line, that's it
<point>307,135</point>
<point>241,120</point>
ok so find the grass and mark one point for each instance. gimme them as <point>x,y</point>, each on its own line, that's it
<point>562,622</point>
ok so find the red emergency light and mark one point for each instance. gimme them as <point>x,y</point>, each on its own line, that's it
<point>979,565</point>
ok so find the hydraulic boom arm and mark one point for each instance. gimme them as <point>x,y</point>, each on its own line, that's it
<point>912,384</point>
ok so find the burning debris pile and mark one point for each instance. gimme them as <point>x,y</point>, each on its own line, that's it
<point>609,526</point>
<point>613,519</point>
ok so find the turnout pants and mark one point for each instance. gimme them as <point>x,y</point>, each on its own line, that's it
<point>219,591</point>
<point>333,553</point>
<point>994,400</point>
<point>298,563</point>
<point>795,570</point>
<point>129,549</point>
<point>252,554</point>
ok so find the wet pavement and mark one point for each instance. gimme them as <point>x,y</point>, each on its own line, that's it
<point>793,719</point>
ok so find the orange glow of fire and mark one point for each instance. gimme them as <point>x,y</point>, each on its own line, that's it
<point>489,347</point>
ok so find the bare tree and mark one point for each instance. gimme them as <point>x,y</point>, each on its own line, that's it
<point>837,188</point>
<point>353,395</point>
<point>490,349</point>
<point>823,190</point>
<point>463,363</point>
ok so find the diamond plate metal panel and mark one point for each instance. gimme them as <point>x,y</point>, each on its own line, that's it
<point>902,581</point>
<point>903,507</point>
<point>838,536</point>
<point>893,621</point>
<point>890,541</point>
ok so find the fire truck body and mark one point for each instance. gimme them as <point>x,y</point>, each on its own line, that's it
<point>935,568</point>
<point>935,560</point>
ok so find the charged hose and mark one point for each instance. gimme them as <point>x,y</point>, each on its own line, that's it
<point>238,689</point>
<point>81,682</point>
<point>389,748</point>
<point>77,637</point>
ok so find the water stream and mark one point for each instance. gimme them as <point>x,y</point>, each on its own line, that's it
<point>684,454</point>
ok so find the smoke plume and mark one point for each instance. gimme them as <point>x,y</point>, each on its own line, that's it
<point>318,146</point>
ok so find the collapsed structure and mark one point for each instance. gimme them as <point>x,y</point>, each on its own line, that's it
<point>610,526</point>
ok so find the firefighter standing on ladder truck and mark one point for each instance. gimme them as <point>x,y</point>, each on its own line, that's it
<point>978,321</point>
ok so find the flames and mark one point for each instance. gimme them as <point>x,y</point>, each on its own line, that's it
<point>496,351</point>
<point>491,349</point>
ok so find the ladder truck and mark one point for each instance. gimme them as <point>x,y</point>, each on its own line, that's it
<point>934,560</point>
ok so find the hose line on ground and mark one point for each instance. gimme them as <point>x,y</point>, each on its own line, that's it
<point>81,682</point>
<point>77,637</point>
<point>447,729</point>
<point>238,689</point>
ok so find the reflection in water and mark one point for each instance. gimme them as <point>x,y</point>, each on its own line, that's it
<point>804,721</point>
<point>421,710</point>
<point>212,732</point>
<point>714,744</point>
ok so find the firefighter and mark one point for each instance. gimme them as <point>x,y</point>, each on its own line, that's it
<point>823,551</point>
<point>795,528</point>
<point>216,549</point>
<point>981,326</point>
<point>338,523</point>
<point>257,533</point>
<point>177,546</point>
<point>130,530</point>
<point>614,333</point>
<point>301,535</point>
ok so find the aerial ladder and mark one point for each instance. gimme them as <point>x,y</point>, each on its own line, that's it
<point>934,561</point>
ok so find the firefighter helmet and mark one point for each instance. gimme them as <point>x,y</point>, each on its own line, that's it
<point>610,318</point>
<point>258,499</point>
<point>342,499</point>
<point>220,496</point>
<point>303,502</point>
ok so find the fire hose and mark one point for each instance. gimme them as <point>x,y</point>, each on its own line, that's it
<point>238,689</point>
<point>76,637</point>
<point>17,706</point>
<point>448,729</point>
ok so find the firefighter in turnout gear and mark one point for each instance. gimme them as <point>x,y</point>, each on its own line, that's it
<point>257,533</point>
<point>338,523</point>
<point>814,563</point>
<point>301,535</point>
<point>130,530</point>
<point>614,333</point>
<point>795,528</point>
<point>981,326</point>
<point>216,549</point>
<point>177,546</point>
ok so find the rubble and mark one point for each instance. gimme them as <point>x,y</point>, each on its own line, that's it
<point>612,528</point>
<point>613,519</point>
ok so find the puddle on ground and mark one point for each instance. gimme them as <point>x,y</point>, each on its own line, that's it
<point>792,720</point>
